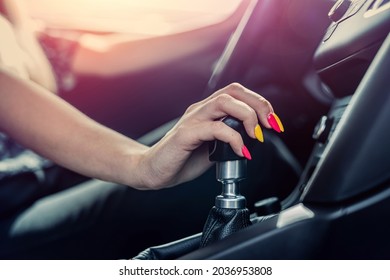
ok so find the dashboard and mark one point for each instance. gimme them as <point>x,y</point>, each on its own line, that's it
<point>357,31</point>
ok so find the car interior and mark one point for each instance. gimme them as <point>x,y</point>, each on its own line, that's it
<point>323,64</point>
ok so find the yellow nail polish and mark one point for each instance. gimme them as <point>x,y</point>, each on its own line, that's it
<point>259,133</point>
<point>279,123</point>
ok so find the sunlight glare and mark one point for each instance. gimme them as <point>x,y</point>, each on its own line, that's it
<point>149,17</point>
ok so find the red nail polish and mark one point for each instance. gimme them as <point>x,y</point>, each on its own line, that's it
<point>246,152</point>
<point>273,122</point>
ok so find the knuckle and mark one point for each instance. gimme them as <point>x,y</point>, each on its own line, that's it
<point>218,127</point>
<point>222,100</point>
<point>223,132</point>
<point>263,105</point>
<point>235,141</point>
<point>235,87</point>
<point>264,102</point>
<point>251,112</point>
<point>251,116</point>
<point>192,107</point>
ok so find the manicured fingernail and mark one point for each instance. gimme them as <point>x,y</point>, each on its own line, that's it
<point>259,133</point>
<point>246,152</point>
<point>275,122</point>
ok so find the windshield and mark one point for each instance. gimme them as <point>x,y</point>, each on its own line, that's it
<point>142,17</point>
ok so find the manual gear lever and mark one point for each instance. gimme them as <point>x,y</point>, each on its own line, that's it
<point>229,213</point>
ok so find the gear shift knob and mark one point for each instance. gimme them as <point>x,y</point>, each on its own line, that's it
<point>231,168</point>
<point>220,151</point>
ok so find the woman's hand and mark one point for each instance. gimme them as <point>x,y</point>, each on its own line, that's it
<point>181,155</point>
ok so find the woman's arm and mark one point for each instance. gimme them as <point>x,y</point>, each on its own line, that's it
<point>53,128</point>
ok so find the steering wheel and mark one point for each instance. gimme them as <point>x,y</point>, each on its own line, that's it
<point>271,36</point>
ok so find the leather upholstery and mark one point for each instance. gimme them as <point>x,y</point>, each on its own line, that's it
<point>171,250</point>
<point>223,222</point>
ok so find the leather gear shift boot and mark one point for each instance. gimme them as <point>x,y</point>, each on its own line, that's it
<point>222,222</point>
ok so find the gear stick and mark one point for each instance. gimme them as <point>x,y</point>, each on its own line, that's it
<point>229,213</point>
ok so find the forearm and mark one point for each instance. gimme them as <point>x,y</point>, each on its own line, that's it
<point>56,130</point>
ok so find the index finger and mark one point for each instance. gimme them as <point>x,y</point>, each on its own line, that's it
<point>261,105</point>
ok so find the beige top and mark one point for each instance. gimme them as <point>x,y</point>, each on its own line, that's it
<point>12,56</point>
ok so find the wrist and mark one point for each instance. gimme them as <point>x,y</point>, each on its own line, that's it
<point>134,171</point>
